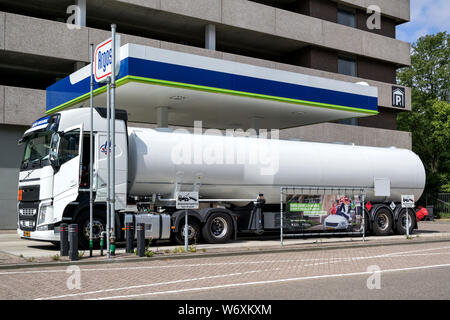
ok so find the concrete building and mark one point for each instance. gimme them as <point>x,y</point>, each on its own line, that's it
<point>326,38</point>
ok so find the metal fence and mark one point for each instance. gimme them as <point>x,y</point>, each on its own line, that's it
<point>440,202</point>
<point>308,211</point>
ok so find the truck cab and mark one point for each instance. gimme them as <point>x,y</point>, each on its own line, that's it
<point>54,173</point>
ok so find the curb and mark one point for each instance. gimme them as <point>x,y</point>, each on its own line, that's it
<point>255,251</point>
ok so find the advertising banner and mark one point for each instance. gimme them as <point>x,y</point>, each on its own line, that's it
<point>322,213</point>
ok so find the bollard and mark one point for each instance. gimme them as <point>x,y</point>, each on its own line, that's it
<point>129,233</point>
<point>102,242</point>
<point>64,240</point>
<point>140,228</point>
<point>73,237</point>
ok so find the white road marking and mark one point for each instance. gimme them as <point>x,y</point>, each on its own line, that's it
<point>200,278</point>
<point>155,284</point>
<point>337,260</point>
<point>269,282</point>
<point>394,254</point>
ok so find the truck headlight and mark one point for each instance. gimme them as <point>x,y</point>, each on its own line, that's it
<point>27,223</point>
<point>43,213</point>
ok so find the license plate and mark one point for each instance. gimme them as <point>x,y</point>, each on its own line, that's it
<point>26,234</point>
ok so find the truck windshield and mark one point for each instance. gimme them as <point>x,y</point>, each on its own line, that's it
<point>37,150</point>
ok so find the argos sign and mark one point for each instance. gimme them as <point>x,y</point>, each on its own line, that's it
<point>103,59</point>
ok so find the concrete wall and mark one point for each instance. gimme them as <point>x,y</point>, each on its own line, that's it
<point>334,133</point>
<point>45,38</point>
<point>331,132</point>
<point>9,174</point>
<point>2,30</point>
<point>285,24</point>
<point>21,106</point>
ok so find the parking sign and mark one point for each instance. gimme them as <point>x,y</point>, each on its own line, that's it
<point>187,200</point>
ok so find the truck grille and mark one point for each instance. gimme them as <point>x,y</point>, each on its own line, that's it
<point>28,215</point>
<point>27,211</point>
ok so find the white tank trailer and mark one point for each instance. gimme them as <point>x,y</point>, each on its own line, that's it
<point>238,179</point>
<point>243,167</point>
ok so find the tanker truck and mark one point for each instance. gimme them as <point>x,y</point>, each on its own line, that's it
<point>238,179</point>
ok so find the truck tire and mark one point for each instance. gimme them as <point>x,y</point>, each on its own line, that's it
<point>99,225</point>
<point>382,224</point>
<point>218,228</point>
<point>193,232</point>
<point>401,222</point>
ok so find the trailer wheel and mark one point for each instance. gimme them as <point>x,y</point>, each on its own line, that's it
<point>98,226</point>
<point>218,228</point>
<point>193,232</point>
<point>382,225</point>
<point>401,222</point>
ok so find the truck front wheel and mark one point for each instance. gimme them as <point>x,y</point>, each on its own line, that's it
<point>98,226</point>
<point>218,228</point>
<point>382,225</point>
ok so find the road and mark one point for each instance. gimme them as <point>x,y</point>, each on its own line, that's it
<point>414,271</point>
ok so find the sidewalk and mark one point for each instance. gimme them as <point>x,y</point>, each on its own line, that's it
<point>15,251</point>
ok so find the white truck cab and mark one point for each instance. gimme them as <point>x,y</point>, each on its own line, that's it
<point>54,173</point>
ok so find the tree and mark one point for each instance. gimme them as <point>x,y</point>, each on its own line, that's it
<point>429,120</point>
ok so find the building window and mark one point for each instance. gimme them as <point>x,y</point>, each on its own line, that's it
<point>347,66</point>
<point>347,18</point>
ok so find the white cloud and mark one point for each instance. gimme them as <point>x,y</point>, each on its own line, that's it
<point>427,17</point>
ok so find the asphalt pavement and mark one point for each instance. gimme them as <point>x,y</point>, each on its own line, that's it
<point>416,271</point>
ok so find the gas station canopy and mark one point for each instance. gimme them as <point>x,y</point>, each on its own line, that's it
<point>223,94</point>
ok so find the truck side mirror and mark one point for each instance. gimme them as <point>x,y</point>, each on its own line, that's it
<point>54,161</point>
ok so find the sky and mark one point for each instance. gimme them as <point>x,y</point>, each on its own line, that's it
<point>427,17</point>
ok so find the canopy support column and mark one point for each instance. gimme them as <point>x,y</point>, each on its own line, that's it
<point>162,117</point>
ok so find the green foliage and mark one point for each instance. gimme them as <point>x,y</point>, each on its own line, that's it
<point>56,257</point>
<point>429,121</point>
<point>149,253</point>
<point>178,250</point>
